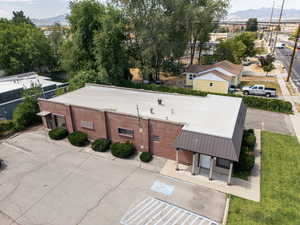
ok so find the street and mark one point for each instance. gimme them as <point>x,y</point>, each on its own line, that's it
<point>284,55</point>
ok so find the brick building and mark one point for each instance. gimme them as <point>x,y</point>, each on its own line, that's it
<point>205,132</point>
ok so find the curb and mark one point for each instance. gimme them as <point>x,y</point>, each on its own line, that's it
<point>225,217</point>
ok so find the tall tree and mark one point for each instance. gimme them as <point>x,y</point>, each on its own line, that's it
<point>110,46</point>
<point>84,23</point>
<point>19,17</point>
<point>203,17</point>
<point>24,48</point>
<point>248,39</point>
<point>57,37</point>
<point>158,32</point>
<point>231,50</point>
<point>98,41</point>
<point>252,25</point>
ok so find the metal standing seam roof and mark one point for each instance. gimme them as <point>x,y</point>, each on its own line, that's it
<point>226,148</point>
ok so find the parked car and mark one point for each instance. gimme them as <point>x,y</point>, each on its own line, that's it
<point>280,45</point>
<point>258,89</point>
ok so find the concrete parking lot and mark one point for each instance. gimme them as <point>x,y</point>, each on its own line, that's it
<point>270,121</point>
<point>47,182</point>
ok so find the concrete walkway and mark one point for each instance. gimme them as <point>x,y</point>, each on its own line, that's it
<point>295,118</point>
<point>245,189</point>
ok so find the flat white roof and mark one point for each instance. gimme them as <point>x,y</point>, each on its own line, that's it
<point>24,81</point>
<point>213,114</point>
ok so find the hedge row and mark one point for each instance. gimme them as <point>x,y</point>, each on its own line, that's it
<point>274,105</point>
<point>247,158</point>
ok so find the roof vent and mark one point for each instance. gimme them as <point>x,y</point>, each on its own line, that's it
<point>151,111</point>
<point>159,101</point>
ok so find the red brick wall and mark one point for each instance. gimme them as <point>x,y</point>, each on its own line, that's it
<point>108,128</point>
<point>164,148</point>
<point>96,117</point>
<point>140,129</point>
<point>57,108</point>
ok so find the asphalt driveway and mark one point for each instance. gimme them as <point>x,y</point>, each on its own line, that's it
<point>270,121</point>
<point>54,183</point>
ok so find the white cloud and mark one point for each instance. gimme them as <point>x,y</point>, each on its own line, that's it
<point>15,1</point>
<point>4,14</point>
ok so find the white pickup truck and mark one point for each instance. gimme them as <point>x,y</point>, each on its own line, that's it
<point>258,89</point>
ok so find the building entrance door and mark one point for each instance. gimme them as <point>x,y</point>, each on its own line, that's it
<point>205,161</point>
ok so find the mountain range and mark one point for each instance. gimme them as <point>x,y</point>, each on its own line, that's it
<point>50,21</point>
<point>261,14</point>
<point>264,14</point>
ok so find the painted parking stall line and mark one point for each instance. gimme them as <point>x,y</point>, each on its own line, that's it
<point>152,211</point>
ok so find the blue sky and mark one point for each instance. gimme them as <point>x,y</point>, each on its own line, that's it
<point>50,8</point>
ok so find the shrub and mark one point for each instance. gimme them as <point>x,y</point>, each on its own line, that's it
<point>78,138</point>
<point>101,145</point>
<point>6,125</point>
<point>25,114</point>
<point>249,139</point>
<point>58,133</point>
<point>122,150</point>
<point>246,161</point>
<point>146,156</point>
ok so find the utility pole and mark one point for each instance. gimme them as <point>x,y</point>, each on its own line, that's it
<point>293,55</point>
<point>270,25</point>
<point>277,30</point>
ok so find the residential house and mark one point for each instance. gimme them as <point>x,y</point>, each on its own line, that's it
<point>11,88</point>
<point>189,129</point>
<point>216,78</point>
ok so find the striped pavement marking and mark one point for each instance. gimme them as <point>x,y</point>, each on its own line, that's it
<point>152,211</point>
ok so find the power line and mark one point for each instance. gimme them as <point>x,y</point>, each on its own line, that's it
<point>278,28</point>
<point>270,25</point>
<point>294,54</point>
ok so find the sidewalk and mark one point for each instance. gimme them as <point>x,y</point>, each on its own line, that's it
<point>249,189</point>
<point>295,118</point>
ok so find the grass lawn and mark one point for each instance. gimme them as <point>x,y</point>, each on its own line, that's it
<point>269,84</point>
<point>280,186</point>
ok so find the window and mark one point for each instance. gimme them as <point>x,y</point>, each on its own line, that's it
<point>211,84</point>
<point>87,125</point>
<point>155,138</point>
<point>125,132</point>
<point>223,163</point>
<point>260,88</point>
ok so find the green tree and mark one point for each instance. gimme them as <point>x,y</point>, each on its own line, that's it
<point>19,18</point>
<point>85,76</point>
<point>267,63</point>
<point>25,113</point>
<point>110,46</point>
<point>252,25</point>
<point>57,37</point>
<point>24,48</point>
<point>248,39</point>
<point>231,50</point>
<point>84,24</point>
<point>158,32</point>
<point>202,20</point>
